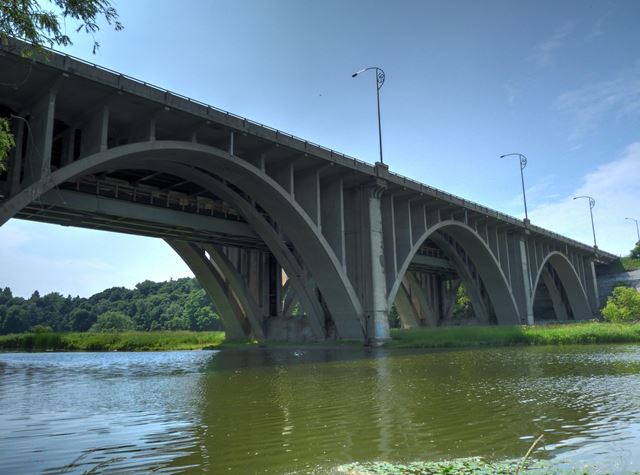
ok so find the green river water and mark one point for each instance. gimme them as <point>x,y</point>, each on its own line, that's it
<point>285,411</point>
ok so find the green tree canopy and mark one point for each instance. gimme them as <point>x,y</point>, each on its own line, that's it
<point>623,305</point>
<point>28,20</point>
<point>112,321</point>
<point>7,142</point>
<point>176,304</point>
<point>81,320</point>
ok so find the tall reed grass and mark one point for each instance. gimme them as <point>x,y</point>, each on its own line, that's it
<point>474,336</point>
<point>120,341</point>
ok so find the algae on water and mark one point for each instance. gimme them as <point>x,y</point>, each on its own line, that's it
<point>463,466</point>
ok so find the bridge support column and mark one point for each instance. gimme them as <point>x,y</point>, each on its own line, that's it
<point>408,314</point>
<point>236,326</point>
<point>424,296</point>
<point>38,161</point>
<point>592,287</point>
<point>554,293</point>
<point>241,290</point>
<point>527,300</point>
<point>365,251</point>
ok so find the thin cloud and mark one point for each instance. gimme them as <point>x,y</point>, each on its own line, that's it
<point>590,104</point>
<point>544,52</point>
<point>616,189</point>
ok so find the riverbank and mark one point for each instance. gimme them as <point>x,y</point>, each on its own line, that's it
<point>116,341</point>
<point>443,337</point>
<point>558,334</point>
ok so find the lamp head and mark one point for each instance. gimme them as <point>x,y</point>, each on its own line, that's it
<point>354,75</point>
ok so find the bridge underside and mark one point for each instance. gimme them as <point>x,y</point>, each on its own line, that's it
<point>289,239</point>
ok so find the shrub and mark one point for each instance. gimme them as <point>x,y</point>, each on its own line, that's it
<point>623,305</point>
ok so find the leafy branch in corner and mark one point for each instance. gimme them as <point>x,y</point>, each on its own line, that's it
<point>28,20</point>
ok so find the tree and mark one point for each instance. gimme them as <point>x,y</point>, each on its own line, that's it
<point>81,320</point>
<point>179,304</point>
<point>462,307</point>
<point>16,319</point>
<point>5,295</point>
<point>27,20</point>
<point>623,305</point>
<point>394,318</point>
<point>7,142</point>
<point>635,252</point>
<point>207,320</point>
<point>112,322</point>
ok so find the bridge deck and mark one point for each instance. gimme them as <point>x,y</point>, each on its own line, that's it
<point>135,98</point>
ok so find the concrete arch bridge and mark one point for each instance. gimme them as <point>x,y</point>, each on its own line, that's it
<point>291,240</point>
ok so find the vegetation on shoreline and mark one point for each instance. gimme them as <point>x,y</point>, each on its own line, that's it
<point>116,341</point>
<point>629,263</point>
<point>623,305</point>
<point>558,334</point>
<point>444,337</point>
<point>632,261</point>
<point>151,306</point>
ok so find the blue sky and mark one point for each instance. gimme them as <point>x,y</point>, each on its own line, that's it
<point>466,82</point>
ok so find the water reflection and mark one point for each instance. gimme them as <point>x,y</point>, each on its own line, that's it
<point>108,412</point>
<point>288,411</point>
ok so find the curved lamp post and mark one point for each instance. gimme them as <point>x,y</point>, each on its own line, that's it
<point>379,82</point>
<point>637,229</point>
<point>592,203</point>
<point>523,164</point>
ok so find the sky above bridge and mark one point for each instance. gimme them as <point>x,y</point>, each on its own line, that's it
<point>466,81</point>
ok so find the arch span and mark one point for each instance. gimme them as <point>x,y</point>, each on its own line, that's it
<point>328,273</point>
<point>485,262</point>
<point>237,325</point>
<point>576,294</point>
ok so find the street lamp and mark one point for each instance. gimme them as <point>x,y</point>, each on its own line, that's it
<point>379,82</point>
<point>592,203</point>
<point>637,230</point>
<point>523,163</point>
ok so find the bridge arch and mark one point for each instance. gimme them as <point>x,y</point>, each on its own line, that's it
<point>316,253</point>
<point>576,295</point>
<point>485,262</point>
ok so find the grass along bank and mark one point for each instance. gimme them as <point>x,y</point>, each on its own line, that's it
<point>115,341</point>
<point>473,336</point>
<point>443,337</point>
<point>630,264</point>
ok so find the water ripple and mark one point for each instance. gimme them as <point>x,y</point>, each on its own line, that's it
<point>286,411</point>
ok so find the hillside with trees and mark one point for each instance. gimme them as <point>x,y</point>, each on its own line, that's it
<point>175,305</point>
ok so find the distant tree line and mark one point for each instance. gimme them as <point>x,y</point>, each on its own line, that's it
<point>175,305</point>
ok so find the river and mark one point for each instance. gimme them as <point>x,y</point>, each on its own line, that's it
<point>285,411</point>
